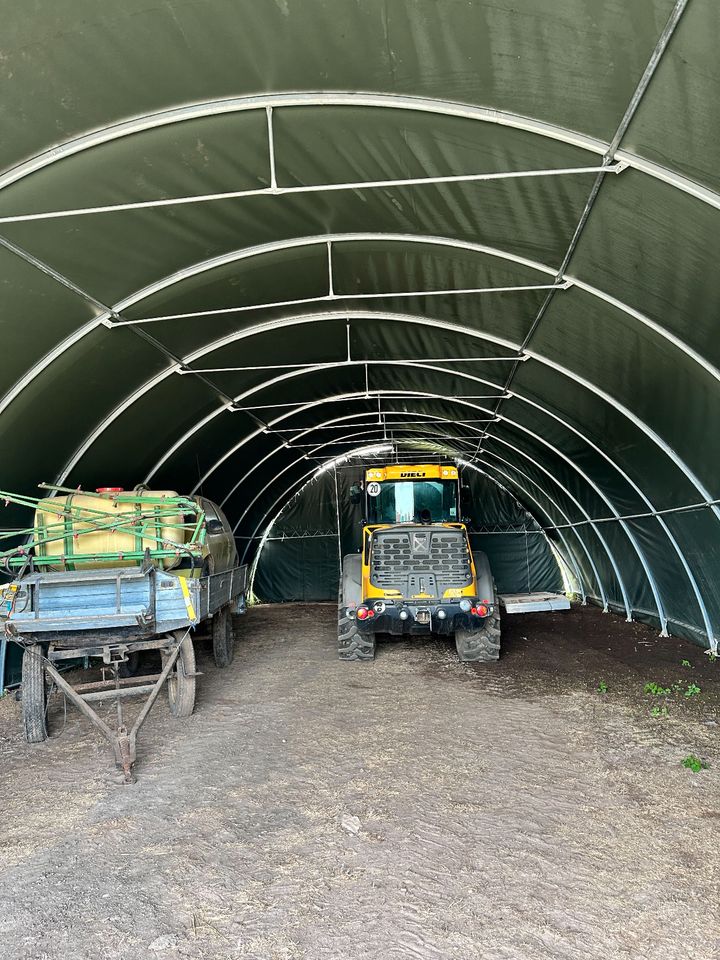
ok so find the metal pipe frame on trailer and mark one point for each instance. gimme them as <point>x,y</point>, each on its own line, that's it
<point>144,609</point>
<point>124,743</point>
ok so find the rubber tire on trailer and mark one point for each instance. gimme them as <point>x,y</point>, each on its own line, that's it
<point>181,681</point>
<point>481,646</point>
<point>223,637</point>
<point>34,695</point>
<point>353,645</point>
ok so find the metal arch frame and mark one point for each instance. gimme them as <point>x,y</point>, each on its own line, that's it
<point>576,572</point>
<point>660,519</point>
<point>352,416</point>
<point>328,443</point>
<point>365,394</point>
<point>402,318</point>
<point>303,371</point>
<point>431,419</point>
<point>567,493</point>
<point>640,90</point>
<point>663,524</point>
<point>591,483</point>
<point>308,477</point>
<point>359,99</point>
<point>581,381</point>
<point>494,116</point>
<point>494,480</point>
<point>611,558</point>
<point>107,318</point>
<point>633,485</point>
<point>328,240</point>
<point>401,429</point>
<point>461,440</point>
<point>236,336</point>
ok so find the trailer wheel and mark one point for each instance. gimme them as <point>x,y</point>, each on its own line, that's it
<point>223,637</point>
<point>34,695</point>
<point>181,681</point>
<point>481,646</point>
<point>353,645</point>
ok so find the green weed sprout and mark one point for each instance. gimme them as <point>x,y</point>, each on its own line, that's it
<point>694,763</point>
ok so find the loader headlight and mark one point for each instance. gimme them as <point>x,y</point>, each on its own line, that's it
<point>465,605</point>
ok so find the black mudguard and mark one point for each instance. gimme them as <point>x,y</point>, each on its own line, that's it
<point>483,574</point>
<point>351,592</point>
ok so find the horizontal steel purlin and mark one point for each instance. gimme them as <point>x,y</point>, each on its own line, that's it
<point>649,514</point>
<point>275,191</point>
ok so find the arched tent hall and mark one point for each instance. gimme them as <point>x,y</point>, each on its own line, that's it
<point>488,230</point>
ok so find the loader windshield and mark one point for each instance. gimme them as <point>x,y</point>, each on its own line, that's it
<point>416,501</point>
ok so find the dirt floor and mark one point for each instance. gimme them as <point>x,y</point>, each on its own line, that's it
<point>414,807</point>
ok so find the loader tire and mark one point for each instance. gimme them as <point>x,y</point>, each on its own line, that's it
<point>353,645</point>
<point>481,646</point>
<point>223,637</point>
<point>181,681</point>
<point>34,695</point>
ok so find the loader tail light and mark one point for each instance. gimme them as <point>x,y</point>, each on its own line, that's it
<point>362,613</point>
<point>481,610</point>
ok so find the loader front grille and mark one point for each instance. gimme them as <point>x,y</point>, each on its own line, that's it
<point>420,560</point>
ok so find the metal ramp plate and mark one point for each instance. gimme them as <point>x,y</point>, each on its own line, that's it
<point>532,602</point>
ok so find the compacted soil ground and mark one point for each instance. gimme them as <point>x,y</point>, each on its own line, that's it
<point>413,807</point>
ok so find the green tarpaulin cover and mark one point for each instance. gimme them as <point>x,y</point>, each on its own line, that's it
<point>238,239</point>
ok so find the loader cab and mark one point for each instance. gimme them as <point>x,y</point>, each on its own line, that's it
<point>423,494</point>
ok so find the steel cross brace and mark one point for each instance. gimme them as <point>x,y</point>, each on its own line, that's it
<point>123,743</point>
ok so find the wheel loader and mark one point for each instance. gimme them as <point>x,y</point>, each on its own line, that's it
<point>415,573</point>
